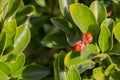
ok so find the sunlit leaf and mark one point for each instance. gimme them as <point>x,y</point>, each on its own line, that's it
<point>110,69</point>
<point>99,11</point>
<point>73,74</point>
<point>22,38</point>
<point>72,58</point>
<point>84,19</point>
<point>104,38</point>
<point>10,29</point>
<point>116,31</point>
<point>2,5</point>
<point>4,70</point>
<point>98,73</point>
<point>11,9</point>
<point>17,63</point>
<point>89,51</point>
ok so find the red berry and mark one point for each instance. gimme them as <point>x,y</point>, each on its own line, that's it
<point>87,38</point>
<point>79,46</point>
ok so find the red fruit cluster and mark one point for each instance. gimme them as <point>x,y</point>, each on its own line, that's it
<point>86,39</point>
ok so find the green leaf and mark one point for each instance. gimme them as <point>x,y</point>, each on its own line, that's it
<point>11,9</point>
<point>10,29</point>
<point>99,11</point>
<point>89,51</point>
<point>85,65</point>
<point>109,23</point>
<point>84,19</point>
<point>73,74</point>
<point>98,73</point>
<point>110,69</point>
<point>115,76</point>
<point>59,74</point>
<point>41,2</point>
<point>67,27</point>
<point>2,41</point>
<point>22,38</point>
<point>17,63</point>
<point>63,24</point>
<point>24,13</point>
<point>34,72</point>
<point>2,5</point>
<point>116,60</point>
<point>104,39</point>
<point>72,58</point>
<point>71,39</point>
<point>55,40</point>
<point>64,7</point>
<point>116,31</point>
<point>18,74</point>
<point>106,61</point>
<point>4,70</point>
<point>116,7</point>
<point>116,49</point>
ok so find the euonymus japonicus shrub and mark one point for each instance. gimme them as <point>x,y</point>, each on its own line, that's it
<point>14,38</point>
<point>98,60</point>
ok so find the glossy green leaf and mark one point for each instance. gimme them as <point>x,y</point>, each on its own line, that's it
<point>18,73</point>
<point>89,51</point>
<point>73,74</point>
<point>4,70</point>
<point>84,19</point>
<point>64,7</point>
<point>99,11</point>
<point>55,40</point>
<point>71,39</point>
<point>109,23</point>
<point>104,38</point>
<point>98,73</point>
<point>10,29</point>
<point>2,5</point>
<point>85,65</point>
<point>64,25</point>
<point>116,31</point>
<point>17,63</point>
<point>11,9</point>
<point>110,69</point>
<point>67,27</point>
<point>22,38</point>
<point>36,72</point>
<point>115,76</point>
<point>72,58</point>
<point>59,74</point>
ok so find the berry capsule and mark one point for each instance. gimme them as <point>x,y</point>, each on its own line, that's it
<point>79,46</point>
<point>87,38</point>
